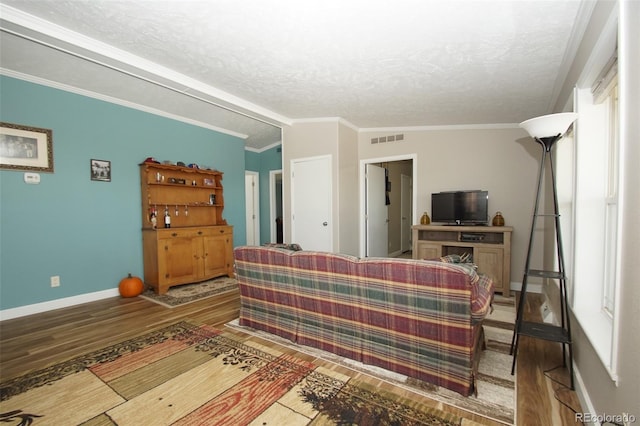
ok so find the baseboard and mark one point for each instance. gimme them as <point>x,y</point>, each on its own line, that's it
<point>531,288</point>
<point>66,302</point>
<point>396,253</point>
<point>583,396</point>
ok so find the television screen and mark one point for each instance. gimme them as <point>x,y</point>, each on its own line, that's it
<point>460,207</point>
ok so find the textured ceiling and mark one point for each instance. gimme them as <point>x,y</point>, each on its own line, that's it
<point>373,63</point>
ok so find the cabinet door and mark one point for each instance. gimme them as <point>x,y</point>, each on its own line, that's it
<point>428,250</point>
<point>216,261</point>
<point>490,262</point>
<point>180,260</point>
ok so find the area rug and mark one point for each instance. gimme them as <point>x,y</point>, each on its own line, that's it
<point>496,398</point>
<point>188,293</point>
<point>186,374</point>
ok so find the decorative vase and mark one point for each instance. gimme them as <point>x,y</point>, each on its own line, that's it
<point>130,286</point>
<point>498,220</point>
<point>425,219</point>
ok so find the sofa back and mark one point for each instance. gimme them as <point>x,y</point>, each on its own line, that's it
<point>400,314</point>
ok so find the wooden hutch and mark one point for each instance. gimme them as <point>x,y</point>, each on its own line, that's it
<point>185,239</point>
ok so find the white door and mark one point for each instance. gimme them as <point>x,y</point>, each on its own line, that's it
<point>311,208</point>
<point>377,217</point>
<point>405,213</point>
<point>251,191</point>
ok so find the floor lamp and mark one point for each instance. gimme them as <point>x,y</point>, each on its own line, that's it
<point>546,130</point>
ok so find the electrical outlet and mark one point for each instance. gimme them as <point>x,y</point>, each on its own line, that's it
<point>55,281</point>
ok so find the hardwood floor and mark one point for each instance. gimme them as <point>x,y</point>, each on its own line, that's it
<point>33,342</point>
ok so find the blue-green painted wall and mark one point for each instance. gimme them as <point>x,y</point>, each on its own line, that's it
<point>88,232</point>
<point>263,163</point>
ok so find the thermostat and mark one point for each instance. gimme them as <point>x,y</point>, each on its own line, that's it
<point>33,178</point>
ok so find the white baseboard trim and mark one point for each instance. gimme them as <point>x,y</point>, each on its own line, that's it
<point>583,396</point>
<point>37,308</point>
<point>531,287</point>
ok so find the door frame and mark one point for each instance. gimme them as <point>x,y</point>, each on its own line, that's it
<point>363,201</point>
<point>273,174</point>
<point>405,245</point>
<point>255,192</point>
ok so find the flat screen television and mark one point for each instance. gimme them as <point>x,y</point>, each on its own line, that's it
<point>460,207</point>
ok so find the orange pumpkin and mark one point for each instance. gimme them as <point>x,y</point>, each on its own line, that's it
<point>130,286</point>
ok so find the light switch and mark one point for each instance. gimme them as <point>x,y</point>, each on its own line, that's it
<point>32,178</point>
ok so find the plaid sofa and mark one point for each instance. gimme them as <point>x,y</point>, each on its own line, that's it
<point>419,318</point>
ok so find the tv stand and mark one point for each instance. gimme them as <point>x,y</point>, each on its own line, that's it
<point>490,247</point>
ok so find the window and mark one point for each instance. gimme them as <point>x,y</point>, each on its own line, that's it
<point>611,203</point>
<point>595,219</point>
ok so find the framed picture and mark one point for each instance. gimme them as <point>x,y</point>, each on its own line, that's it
<point>101,170</point>
<point>26,148</point>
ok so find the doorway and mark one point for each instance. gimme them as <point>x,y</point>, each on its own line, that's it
<point>401,198</point>
<point>275,206</point>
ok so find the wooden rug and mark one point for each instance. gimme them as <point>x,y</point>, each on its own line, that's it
<point>186,375</point>
<point>188,293</point>
<point>496,397</point>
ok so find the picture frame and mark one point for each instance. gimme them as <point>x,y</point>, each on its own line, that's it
<point>101,170</point>
<point>26,148</point>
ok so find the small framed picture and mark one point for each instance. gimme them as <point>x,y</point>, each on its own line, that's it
<point>101,170</point>
<point>26,148</point>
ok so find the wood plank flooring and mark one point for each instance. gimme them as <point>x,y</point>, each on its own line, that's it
<point>33,342</point>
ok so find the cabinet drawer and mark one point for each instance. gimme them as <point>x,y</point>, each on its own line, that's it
<point>178,233</point>
<point>208,231</point>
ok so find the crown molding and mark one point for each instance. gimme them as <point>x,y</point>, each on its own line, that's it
<point>110,99</point>
<point>338,120</point>
<point>261,150</point>
<point>442,127</point>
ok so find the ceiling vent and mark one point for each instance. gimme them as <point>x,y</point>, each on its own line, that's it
<point>389,138</point>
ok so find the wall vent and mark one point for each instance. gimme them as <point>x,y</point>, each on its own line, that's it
<point>390,138</point>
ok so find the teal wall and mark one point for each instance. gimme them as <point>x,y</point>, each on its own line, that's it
<point>85,231</point>
<point>263,163</point>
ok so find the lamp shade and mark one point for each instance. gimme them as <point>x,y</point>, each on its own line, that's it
<point>549,125</point>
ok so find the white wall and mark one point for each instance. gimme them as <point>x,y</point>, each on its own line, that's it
<point>334,138</point>
<point>503,161</point>
<point>348,190</point>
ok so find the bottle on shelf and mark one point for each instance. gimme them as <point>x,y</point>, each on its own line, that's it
<point>167,218</point>
<point>153,217</point>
